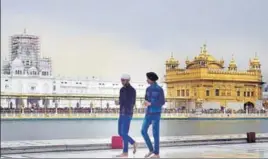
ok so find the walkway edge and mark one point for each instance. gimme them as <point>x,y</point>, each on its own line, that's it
<point>21,147</point>
<point>137,118</point>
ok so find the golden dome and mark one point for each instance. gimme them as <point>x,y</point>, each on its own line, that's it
<point>255,64</point>
<point>204,55</point>
<point>205,59</point>
<point>210,58</point>
<point>172,60</point>
<point>232,65</point>
<point>255,60</point>
<point>232,62</point>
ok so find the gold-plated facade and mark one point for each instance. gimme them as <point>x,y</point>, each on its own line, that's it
<point>205,79</point>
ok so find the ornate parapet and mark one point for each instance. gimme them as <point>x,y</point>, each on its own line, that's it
<point>219,71</point>
<point>213,74</point>
<point>235,75</point>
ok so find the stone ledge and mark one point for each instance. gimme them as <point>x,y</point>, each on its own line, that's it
<point>18,147</point>
<point>175,116</point>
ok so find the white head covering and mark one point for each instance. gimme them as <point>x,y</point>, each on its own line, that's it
<point>125,76</point>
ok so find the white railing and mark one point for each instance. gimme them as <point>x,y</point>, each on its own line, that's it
<point>139,115</point>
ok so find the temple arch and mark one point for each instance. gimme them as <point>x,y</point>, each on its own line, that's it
<point>249,105</point>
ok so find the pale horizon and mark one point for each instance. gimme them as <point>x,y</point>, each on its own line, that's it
<point>108,38</point>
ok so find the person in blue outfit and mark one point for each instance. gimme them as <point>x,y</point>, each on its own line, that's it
<point>154,100</point>
<point>127,100</point>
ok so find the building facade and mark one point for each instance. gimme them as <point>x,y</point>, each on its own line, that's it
<point>265,96</point>
<point>26,73</point>
<point>24,57</point>
<point>61,86</point>
<point>204,82</point>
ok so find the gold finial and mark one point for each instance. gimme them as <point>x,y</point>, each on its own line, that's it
<point>187,60</point>
<point>201,50</point>
<point>205,48</point>
<point>232,61</point>
<point>222,60</point>
<point>256,55</point>
<point>255,60</point>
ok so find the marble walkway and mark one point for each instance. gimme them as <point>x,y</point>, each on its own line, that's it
<point>256,150</point>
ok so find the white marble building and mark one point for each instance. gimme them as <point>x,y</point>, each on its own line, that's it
<point>26,73</point>
<point>47,85</point>
<point>33,81</point>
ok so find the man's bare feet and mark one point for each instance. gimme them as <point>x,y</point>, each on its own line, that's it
<point>148,154</point>
<point>135,145</point>
<point>122,155</point>
<point>155,156</point>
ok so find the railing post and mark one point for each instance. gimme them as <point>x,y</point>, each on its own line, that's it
<point>70,111</point>
<point>22,110</point>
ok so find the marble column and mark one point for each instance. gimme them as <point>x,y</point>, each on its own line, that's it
<point>50,103</point>
<point>24,102</point>
<point>56,107</point>
<point>40,103</point>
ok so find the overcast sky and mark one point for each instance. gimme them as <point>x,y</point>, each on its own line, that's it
<point>109,37</point>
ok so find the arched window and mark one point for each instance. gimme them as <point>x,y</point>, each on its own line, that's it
<point>32,88</point>
<point>44,73</point>
<point>18,72</point>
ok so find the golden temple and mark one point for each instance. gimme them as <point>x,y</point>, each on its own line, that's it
<point>205,82</point>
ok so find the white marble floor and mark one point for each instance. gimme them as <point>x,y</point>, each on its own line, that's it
<point>257,150</point>
<point>32,143</point>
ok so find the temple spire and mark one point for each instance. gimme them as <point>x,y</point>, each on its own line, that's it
<point>256,55</point>
<point>233,60</point>
<point>201,50</point>
<point>205,48</point>
<point>24,31</point>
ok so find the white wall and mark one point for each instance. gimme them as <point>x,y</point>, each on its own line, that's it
<point>235,105</point>
<point>211,105</point>
<point>45,85</point>
<point>265,95</point>
<point>191,105</point>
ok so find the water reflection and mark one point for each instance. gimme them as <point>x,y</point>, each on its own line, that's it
<point>60,129</point>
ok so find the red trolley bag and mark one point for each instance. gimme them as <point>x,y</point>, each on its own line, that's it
<point>117,142</point>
